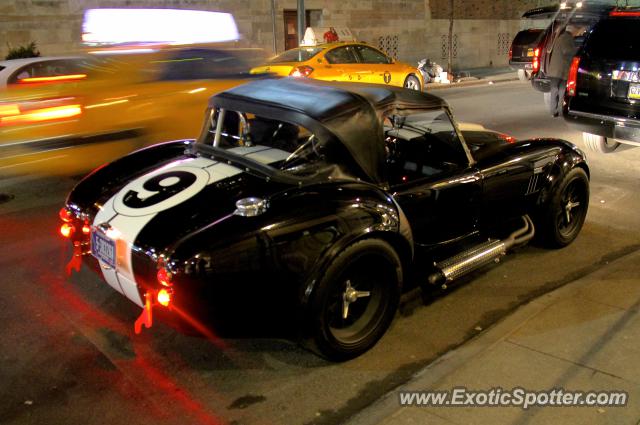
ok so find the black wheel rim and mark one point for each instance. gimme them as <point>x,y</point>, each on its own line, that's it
<point>366,312</point>
<point>572,209</point>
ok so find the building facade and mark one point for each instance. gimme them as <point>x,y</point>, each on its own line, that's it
<point>407,29</point>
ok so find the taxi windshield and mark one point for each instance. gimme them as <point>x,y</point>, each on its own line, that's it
<point>301,54</point>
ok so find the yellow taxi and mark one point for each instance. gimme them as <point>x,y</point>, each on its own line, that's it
<point>124,103</point>
<point>122,94</point>
<point>343,61</point>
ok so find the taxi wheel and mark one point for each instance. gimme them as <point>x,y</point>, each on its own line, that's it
<point>412,83</point>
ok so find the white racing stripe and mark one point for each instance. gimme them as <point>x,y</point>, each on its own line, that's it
<point>126,221</point>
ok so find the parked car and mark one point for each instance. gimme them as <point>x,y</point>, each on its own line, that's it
<point>523,47</point>
<point>310,205</point>
<point>582,14</point>
<point>344,61</point>
<point>42,70</point>
<point>522,52</point>
<point>603,89</point>
<point>128,101</point>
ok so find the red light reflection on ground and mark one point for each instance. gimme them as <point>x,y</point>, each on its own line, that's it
<point>170,398</point>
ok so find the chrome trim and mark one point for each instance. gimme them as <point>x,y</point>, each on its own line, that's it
<point>480,255</point>
<point>250,207</point>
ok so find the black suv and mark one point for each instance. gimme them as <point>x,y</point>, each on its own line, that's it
<point>585,14</point>
<point>526,44</point>
<point>603,88</point>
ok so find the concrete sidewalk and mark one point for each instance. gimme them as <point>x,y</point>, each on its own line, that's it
<point>478,76</point>
<point>584,336</point>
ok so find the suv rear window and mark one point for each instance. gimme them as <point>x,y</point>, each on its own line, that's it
<point>615,39</point>
<point>528,37</point>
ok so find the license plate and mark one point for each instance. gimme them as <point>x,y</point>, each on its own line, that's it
<point>103,248</point>
<point>634,91</point>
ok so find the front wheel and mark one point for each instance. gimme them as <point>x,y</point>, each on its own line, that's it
<point>356,299</point>
<point>412,83</point>
<point>563,216</point>
<point>599,143</point>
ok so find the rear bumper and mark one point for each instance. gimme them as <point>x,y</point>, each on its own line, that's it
<point>620,128</point>
<point>527,65</point>
<point>541,84</point>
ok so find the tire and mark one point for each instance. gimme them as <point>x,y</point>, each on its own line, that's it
<point>412,83</point>
<point>524,75</point>
<point>599,143</point>
<point>369,266</point>
<point>562,217</point>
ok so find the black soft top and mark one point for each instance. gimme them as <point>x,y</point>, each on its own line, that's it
<point>349,113</point>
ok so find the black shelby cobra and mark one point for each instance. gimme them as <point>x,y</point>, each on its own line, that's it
<point>310,204</point>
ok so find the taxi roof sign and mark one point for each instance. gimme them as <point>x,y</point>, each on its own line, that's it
<point>318,35</point>
<point>156,26</point>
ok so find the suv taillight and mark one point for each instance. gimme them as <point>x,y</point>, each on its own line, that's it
<point>301,71</point>
<point>572,79</point>
<point>536,60</point>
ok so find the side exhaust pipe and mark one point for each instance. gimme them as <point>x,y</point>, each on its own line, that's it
<point>480,255</point>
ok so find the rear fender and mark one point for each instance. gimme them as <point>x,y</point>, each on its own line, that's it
<point>110,177</point>
<point>567,159</point>
<point>374,214</point>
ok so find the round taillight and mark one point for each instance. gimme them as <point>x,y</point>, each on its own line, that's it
<point>164,297</point>
<point>67,230</point>
<point>65,215</point>
<point>164,277</point>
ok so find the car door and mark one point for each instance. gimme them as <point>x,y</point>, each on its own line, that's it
<point>431,177</point>
<point>377,66</point>
<point>342,65</point>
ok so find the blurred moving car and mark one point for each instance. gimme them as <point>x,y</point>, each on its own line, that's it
<point>311,216</point>
<point>41,70</point>
<point>149,73</point>
<point>343,61</point>
<point>603,89</point>
<point>128,101</point>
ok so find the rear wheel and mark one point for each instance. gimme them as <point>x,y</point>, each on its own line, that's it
<point>599,143</point>
<point>524,75</point>
<point>412,82</point>
<point>563,217</point>
<point>356,299</point>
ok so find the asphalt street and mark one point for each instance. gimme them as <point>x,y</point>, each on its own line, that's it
<point>69,353</point>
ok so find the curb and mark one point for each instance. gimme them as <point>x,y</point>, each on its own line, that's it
<point>479,82</point>
<point>452,361</point>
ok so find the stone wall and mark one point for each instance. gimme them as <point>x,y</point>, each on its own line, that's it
<point>484,9</point>
<point>409,29</point>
